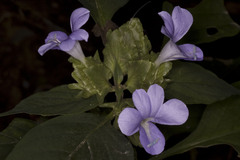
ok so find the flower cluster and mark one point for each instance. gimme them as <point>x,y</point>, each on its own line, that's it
<point>60,40</point>
<point>150,108</point>
<point>150,105</point>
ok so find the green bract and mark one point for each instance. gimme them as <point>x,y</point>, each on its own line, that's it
<point>126,54</point>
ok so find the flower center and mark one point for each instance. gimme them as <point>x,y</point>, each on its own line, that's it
<point>54,39</point>
<point>145,126</point>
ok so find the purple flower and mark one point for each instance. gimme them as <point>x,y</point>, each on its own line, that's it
<point>175,27</point>
<point>150,108</point>
<point>60,40</point>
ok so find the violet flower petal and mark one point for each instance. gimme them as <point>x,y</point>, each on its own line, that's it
<point>172,112</point>
<point>79,34</point>
<point>142,102</point>
<point>44,48</point>
<point>78,18</point>
<point>56,37</point>
<point>129,121</point>
<point>191,52</point>
<point>155,142</point>
<point>182,20</point>
<point>67,45</point>
<point>156,95</point>
<point>168,28</point>
<point>177,25</point>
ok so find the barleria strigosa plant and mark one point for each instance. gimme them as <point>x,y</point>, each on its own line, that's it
<point>126,100</point>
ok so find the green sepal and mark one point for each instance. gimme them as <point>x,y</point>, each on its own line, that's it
<point>135,140</point>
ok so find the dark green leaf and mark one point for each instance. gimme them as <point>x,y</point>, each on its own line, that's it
<point>236,84</point>
<point>219,125</point>
<point>73,137</point>
<point>211,22</point>
<point>58,101</point>
<point>193,84</point>
<point>13,134</point>
<point>103,10</point>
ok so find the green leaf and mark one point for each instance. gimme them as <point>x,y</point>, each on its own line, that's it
<point>236,84</point>
<point>103,10</point>
<point>127,52</point>
<point>128,43</point>
<point>13,134</point>
<point>92,78</point>
<point>58,101</point>
<point>219,125</point>
<point>193,84</point>
<point>141,74</point>
<point>211,22</point>
<point>137,73</point>
<point>73,137</point>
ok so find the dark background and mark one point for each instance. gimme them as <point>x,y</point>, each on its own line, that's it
<point>24,24</point>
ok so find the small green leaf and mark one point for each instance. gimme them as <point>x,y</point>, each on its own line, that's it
<point>193,84</point>
<point>13,134</point>
<point>71,137</point>
<point>211,22</point>
<point>103,10</point>
<point>219,125</point>
<point>58,101</point>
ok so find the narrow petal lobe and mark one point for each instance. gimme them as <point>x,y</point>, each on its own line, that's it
<point>44,48</point>
<point>168,28</point>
